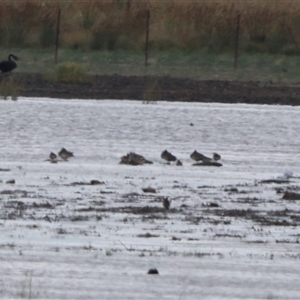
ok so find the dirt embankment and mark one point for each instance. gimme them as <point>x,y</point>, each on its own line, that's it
<point>159,88</point>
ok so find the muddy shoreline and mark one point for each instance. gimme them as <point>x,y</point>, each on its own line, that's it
<point>158,88</point>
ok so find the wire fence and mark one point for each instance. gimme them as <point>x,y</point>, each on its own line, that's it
<point>143,29</point>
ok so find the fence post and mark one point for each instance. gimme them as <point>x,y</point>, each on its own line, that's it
<point>237,33</point>
<point>293,37</point>
<point>57,35</point>
<point>147,37</point>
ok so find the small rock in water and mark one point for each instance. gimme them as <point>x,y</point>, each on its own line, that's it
<point>153,271</point>
<point>149,190</point>
<point>288,174</point>
<point>11,181</point>
<point>166,203</point>
<point>96,182</point>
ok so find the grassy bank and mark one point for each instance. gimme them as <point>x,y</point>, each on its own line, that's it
<point>279,69</point>
<point>192,25</point>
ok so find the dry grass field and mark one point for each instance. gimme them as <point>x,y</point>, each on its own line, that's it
<point>209,26</point>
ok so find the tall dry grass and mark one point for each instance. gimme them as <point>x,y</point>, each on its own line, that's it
<point>209,26</point>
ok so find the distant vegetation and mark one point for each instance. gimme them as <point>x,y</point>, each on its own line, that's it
<point>70,72</point>
<point>206,26</point>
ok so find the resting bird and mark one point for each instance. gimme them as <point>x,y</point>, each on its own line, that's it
<point>166,155</point>
<point>65,154</point>
<point>178,163</point>
<point>134,159</point>
<point>8,65</point>
<point>216,156</point>
<point>198,156</point>
<point>52,156</point>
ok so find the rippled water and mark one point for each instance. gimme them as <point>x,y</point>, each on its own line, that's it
<point>31,128</point>
<point>69,241</point>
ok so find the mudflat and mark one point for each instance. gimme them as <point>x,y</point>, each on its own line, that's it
<point>158,88</point>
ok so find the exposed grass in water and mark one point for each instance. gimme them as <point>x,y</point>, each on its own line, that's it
<point>152,93</point>
<point>8,88</point>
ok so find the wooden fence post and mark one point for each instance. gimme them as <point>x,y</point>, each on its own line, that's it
<point>57,35</point>
<point>293,37</point>
<point>147,37</point>
<point>236,53</point>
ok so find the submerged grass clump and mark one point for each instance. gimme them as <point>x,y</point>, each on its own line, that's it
<point>9,88</point>
<point>70,72</point>
<point>152,93</point>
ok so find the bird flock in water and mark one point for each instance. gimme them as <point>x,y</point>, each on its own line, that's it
<point>134,159</point>
<point>131,158</point>
<point>64,154</point>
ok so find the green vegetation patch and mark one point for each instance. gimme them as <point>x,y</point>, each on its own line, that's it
<point>70,72</point>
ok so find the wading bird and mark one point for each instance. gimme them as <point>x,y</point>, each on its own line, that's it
<point>8,65</point>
